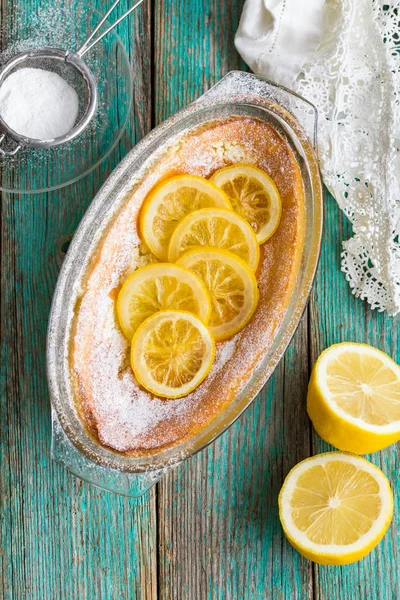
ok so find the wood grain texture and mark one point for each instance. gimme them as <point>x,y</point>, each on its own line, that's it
<point>61,538</point>
<point>337,316</point>
<point>194,48</point>
<point>219,530</point>
<point>210,530</point>
<point>220,535</point>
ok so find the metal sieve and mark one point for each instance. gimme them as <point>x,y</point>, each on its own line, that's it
<point>72,68</point>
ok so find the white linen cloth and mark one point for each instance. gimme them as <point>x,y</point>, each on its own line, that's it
<point>344,56</point>
<point>276,37</point>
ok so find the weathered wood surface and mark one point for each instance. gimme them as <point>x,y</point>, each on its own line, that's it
<point>61,539</point>
<point>210,529</point>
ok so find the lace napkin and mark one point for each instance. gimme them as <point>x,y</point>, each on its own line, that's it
<point>344,56</point>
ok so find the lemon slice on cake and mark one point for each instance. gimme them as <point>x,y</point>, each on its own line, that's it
<point>335,507</point>
<point>354,398</point>
<point>253,195</point>
<point>215,228</point>
<point>169,202</point>
<point>158,287</point>
<point>231,285</point>
<point>172,352</point>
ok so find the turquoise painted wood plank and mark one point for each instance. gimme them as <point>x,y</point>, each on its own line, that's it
<point>338,316</point>
<point>60,538</point>
<point>220,535</point>
<point>219,530</point>
<point>193,49</point>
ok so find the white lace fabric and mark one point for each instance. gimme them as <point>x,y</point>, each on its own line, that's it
<point>351,73</point>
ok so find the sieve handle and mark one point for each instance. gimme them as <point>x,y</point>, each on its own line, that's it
<point>4,152</point>
<point>86,46</point>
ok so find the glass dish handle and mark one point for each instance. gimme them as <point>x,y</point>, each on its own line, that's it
<point>239,84</point>
<point>67,455</point>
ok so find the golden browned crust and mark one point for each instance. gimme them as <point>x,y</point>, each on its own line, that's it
<point>109,400</point>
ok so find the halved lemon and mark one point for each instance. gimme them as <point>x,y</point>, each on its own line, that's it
<point>335,507</point>
<point>215,228</point>
<point>253,195</point>
<point>169,202</point>
<point>354,398</point>
<point>158,287</point>
<point>231,285</point>
<point>172,352</point>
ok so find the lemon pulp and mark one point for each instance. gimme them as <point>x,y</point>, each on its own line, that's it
<point>354,398</point>
<point>159,287</point>
<point>231,285</point>
<point>172,200</point>
<point>172,352</point>
<point>253,195</point>
<point>216,228</point>
<point>335,507</point>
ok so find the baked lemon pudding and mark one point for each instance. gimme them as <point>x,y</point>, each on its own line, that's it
<point>187,286</point>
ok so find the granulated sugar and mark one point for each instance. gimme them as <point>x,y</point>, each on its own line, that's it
<point>38,104</point>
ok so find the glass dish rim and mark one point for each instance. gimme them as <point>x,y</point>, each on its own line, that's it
<point>44,190</point>
<point>114,187</point>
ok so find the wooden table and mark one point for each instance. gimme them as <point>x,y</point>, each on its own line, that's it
<point>210,529</point>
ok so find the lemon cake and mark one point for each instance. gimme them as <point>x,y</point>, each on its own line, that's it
<point>116,409</point>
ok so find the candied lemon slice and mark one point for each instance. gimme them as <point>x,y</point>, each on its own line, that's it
<point>253,195</point>
<point>169,202</point>
<point>231,285</point>
<point>172,352</point>
<point>354,398</point>
<point>335,507</point>
<point>216,228</point>
<point>158,287</point>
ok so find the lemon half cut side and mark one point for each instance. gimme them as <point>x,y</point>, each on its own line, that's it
<point>335,507</point>
<point>354,398</point>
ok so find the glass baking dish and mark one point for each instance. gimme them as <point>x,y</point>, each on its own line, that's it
<point>237,93</point>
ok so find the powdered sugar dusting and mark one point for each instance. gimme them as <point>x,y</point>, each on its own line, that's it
<point>54,26</point>
<point>123,415</point>
<point>128,411</point>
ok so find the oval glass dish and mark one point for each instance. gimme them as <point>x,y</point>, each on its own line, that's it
<point>237,94</point>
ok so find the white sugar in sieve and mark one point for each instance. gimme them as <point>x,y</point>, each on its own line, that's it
<point>72,68</point>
